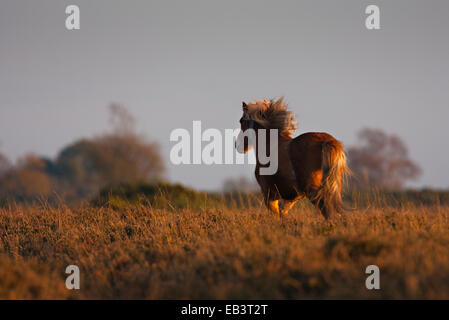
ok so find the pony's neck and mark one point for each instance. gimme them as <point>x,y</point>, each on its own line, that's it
<point>281,142</point>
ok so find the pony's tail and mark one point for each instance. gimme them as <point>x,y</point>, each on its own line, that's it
<point>334,172</point>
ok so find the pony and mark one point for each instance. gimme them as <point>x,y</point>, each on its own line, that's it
<point>312,165</point>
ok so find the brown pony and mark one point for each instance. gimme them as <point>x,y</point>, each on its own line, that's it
<point>312,165</point>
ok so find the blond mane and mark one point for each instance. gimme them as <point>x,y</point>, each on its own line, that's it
<point>273,114</point>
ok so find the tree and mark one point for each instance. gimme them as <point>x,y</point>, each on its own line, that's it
<point>123,123</point>
<point>26,181</point>
<point>127,159</point>
<point>121,156</point>
<point>381,160</point>
<point>76,174</point>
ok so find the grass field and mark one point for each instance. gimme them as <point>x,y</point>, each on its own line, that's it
<point>140,252</point>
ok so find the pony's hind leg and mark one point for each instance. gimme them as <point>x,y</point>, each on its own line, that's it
<point>320,204</point>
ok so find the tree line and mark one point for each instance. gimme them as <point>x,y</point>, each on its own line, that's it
<point>84,167</point>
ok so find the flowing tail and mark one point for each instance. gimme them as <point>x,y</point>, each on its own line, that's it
<point>335,171</point>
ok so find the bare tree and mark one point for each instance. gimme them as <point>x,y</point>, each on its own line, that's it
<point>121,120</point>
<point>381,160</point>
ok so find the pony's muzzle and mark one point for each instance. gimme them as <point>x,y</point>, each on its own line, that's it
<point>240,143</point>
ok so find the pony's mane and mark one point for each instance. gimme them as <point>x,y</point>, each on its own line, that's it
<point>273,114</point>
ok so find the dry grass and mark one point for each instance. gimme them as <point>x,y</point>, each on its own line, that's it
<point>139,252</point>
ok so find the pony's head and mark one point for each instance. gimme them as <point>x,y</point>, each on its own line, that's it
<point>266,114</point>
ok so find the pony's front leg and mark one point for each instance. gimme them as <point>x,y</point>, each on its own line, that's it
<point>286,205</point>
<point>273,206</point>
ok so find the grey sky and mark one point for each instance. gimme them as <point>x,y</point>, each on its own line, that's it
<point>171,62</point>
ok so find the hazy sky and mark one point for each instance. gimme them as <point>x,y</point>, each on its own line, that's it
<point>172,62</point>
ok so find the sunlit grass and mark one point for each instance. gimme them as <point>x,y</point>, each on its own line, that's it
<point>136,251</point>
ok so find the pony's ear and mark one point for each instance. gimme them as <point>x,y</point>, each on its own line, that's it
<point>244,105</point>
